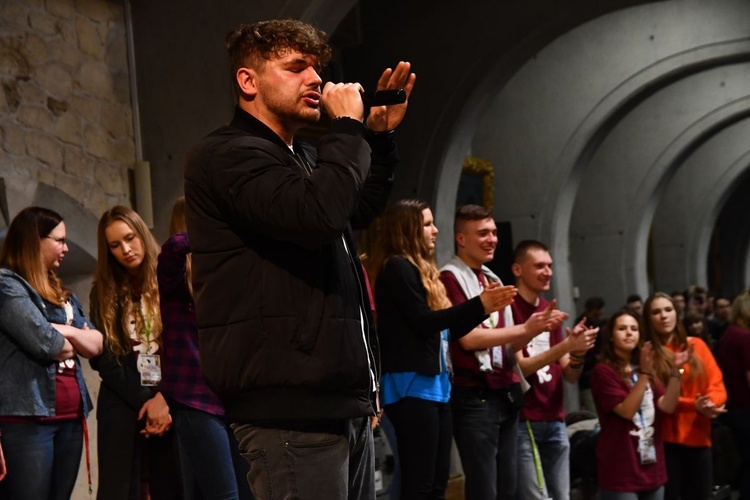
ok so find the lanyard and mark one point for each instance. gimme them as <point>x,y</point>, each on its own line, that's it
<point>537,459</point>
<point>146,322</point>
<point>640,407</point>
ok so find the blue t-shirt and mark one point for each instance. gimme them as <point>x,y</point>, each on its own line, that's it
<point>395,386</point>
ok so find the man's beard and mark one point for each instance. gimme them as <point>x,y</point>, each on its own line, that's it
<point>292,112</point>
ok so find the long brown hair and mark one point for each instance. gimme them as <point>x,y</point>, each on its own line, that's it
<point>177,224</point>
<point>114,291</point>
<point>403,235</point>
<point>22,252</point>
<point>663,357</point>
<point>607,353</point>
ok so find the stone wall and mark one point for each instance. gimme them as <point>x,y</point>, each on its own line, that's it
<point>65,111</point>
<point>66,122</point>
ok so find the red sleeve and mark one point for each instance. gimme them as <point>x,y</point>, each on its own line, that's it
<point>455,293</point>
<point>607,388</point>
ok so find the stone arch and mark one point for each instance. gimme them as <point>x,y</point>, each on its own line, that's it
<point>81,224</point>
<point>563,172</point>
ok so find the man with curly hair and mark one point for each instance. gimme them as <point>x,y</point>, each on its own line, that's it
<point>283,312</point>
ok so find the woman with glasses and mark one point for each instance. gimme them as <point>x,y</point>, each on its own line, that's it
<point>43,329</point>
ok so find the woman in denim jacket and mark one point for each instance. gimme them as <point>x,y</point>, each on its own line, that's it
<point>43,329</point>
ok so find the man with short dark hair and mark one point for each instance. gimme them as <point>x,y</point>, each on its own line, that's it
<point>678,298</point>
<point>697,299</point>
<point>543,447</point>
<point>634,302</point>
<point>722,317</point>
<point>283,312</point>
<point>486,395</point>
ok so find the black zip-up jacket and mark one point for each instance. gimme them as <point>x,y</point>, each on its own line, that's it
<point>283,313</point>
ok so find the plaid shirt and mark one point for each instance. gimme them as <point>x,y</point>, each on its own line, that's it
<point>182,378</point>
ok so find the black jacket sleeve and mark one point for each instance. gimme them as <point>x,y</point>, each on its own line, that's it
<point>399,280</point>
<point>377,188</point>
<point>276,198</point>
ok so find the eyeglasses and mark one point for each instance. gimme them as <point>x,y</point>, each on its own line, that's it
<point>60,241</point>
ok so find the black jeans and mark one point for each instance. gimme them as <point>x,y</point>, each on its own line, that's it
<point>485,426</point>
<point>739,423</point>
<point>689,472</point>
<point>423,433</point>
<point>330,461</point>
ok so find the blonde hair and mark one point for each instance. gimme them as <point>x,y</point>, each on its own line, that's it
<point>741,310</point>
<point>403,235</point>
<point>113,291</point>
<point>22,252</point>
<point>663,356</point>
<point>178,224</point>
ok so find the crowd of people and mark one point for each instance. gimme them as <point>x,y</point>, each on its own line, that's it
<point>262,334</point>
<point>144,348</point>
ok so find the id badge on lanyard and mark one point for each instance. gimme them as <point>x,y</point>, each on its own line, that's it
<point>149,366</point>
<point>646,446</point>
<point>647,450</point>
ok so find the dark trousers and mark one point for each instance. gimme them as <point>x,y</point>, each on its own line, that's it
<point>42,459</point>
<point>485,427</point>
<point>210,462</point>
<point>739,423</point>
<point>689,472</point>
<point>324,461</point>
<point>423,433</point>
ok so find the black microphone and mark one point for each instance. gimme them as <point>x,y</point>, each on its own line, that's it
<point>383,97</point>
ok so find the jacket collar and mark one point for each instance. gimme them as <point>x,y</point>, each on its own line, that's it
<point>250,124</point>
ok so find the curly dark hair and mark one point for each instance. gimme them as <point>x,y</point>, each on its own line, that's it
<point>252,44</point>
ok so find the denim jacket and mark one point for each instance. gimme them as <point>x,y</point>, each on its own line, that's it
<point>28,346</point>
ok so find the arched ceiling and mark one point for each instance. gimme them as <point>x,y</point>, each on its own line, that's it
<point>590,134</point>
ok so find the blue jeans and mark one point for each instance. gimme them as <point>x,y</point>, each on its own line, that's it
<point>657,494</point>
<point>42,459</point>
<point>485,427</point>
<point>554,452</point>
<point>209,459</point>
<point>323,460</point>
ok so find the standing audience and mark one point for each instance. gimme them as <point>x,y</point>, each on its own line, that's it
<point>543,445</point>
<point>415,326</point>
<point>210,464</point>
<point>687,432</point>
<point>136,459</point>
<point>733,356</point>
<point>630,403</point>
<point>486,396</point>
<point>43,329</point>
